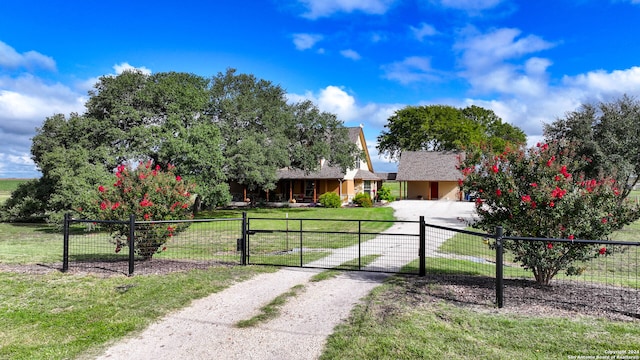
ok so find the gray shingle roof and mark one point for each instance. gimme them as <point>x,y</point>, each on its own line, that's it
<point>326,172</point>
<point>428,166</point>
<point>366,175</point>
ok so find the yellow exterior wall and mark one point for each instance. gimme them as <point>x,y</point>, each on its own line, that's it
<point>447,190</point>
<point>416,189</point>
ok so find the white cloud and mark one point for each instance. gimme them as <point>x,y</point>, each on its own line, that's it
<point>350,54</point>
<point>306,41</point>
<point>411,69</point>
<point>11,59</point>
<point>423,31</point>
<point>322,8</point>
<point>497,62</point>
<point>122,67</point>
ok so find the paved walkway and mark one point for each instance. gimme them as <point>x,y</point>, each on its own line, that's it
<point>205,330</point>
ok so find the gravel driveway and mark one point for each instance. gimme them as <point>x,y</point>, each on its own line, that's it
<point>205,330</point>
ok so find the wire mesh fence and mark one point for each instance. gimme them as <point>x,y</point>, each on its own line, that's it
<point>608,281</point>
<point>159,246</point>
<point>349,245</point>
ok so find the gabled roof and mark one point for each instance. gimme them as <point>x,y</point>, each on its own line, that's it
<point>333,172</point>
<point>366,175</point>
<point>428,166</point>
<point>325,172</point>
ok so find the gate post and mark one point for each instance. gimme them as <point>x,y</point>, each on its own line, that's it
<point>499,268</point>
<point>132,243</point>
<point>244,239</point>
<point>65,243</point>
<point>422,251</point>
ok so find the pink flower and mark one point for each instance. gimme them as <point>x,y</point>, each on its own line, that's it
<point>571,237</point>
<point>604,220</point>
<point>147,216</point>
<point>495,169</point>
<point>115,206</point>
<point>178,178</point>
<point>142,176</point>
<point>101,188</point>
<point>602,250</point>
<point>564,172</point>
<point>552,204</point>
<point>460,182</point>
<point>534,184</point>
<point>157,167</point>
<point>103,206</point>
<point>550,161</point>
<point>533,204</point>
<point>526,198</point>
<point>558,193</point>
<point>498,192</point>
<point>549,246</point>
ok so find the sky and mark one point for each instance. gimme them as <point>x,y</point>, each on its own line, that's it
<point>530,62</point>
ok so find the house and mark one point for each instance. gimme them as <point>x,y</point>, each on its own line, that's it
<point>429,175</point>
<point>296,185</point>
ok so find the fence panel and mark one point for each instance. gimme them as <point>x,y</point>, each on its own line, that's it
<point>192,244</point>
<point>607,284</point>
<point>369,245</point>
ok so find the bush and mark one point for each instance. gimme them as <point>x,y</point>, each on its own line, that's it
<point>149,194</point>
<point>384,193</point>
<point>539,193</point>
<point>363,199</point>
<point>330,200</point>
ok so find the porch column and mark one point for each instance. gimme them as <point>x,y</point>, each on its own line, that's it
<point>290,190</point>
<point>315,189</point>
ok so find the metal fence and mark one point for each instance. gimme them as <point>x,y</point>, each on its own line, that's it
<point>453,258</point>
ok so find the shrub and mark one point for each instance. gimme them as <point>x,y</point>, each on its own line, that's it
<point>363,199</point>
<point>149,194</point>
<point>330,200</point>
<point>534,193</point>
<point>384,193</point>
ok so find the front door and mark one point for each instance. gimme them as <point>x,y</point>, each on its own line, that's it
<point>434,190</point>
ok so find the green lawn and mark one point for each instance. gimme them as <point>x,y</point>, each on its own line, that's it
<point>7,186</point>
<point>62,316</point>
<point>399,321</point>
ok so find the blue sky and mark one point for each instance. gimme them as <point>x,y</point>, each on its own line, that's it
<point>529,61</point>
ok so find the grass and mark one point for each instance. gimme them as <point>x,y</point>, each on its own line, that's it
<point>7,186</point>
<point>59,316</point>
<point>393,323</point>
<point>272,309</point>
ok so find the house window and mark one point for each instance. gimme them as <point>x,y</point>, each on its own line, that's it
<point>367,186</point>
<point>308,188</point>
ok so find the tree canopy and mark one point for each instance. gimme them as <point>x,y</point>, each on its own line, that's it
<point>607,134</point>
<point>231,127</point>
<point>442,128</point>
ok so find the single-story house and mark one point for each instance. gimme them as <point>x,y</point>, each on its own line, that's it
<point>429,175</point>
<point>299,186</point>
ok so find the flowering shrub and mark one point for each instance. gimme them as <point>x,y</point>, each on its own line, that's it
<point>534,193</point>
<point>151,194</point>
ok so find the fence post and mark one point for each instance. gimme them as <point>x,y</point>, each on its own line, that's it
<point>132,243</point>
<point>301,259</point>
<point>359,244</point>
<point>422,249</point>
<point>244,239</point>
<point>65,243</point>
<point>499,268</point>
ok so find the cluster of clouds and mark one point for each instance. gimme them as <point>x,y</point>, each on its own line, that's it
<point>504,69</point>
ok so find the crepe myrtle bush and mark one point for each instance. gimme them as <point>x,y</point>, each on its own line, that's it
<point>151,194</point>
<point>537,193</point>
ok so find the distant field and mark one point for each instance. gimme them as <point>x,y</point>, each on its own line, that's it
<point>7,186</point>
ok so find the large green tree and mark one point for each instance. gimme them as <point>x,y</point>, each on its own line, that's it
<point>607,135</point>
<point>233,127</point>
<point>262,132</point>
<point>442,128</point>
